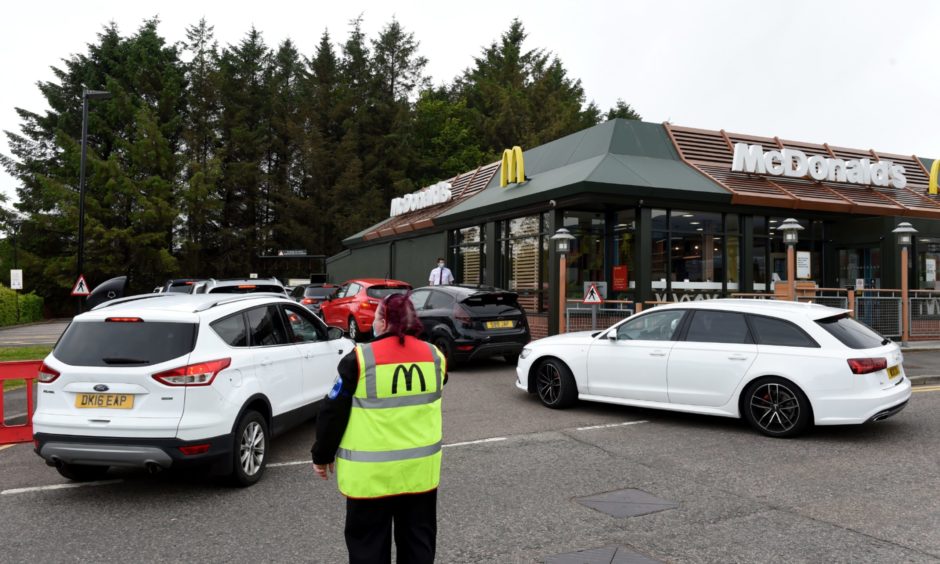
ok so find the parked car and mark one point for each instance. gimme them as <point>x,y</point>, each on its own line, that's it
<point>470,323</point>
<point>312,295</point>
<point>179,285</point>
<point>171,380</point>
<point>353,305</point>
<point>782,366</point>
<point>240,286</point>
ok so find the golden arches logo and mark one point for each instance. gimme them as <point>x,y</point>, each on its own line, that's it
<point>513,168</point>
<point>934,176</point>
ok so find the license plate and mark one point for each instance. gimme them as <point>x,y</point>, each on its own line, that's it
<point>894,372</point>
<point>106,401</point>
<point>500,324</point>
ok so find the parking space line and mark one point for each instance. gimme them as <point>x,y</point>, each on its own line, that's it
<point>293,463</point>
<point>481,441</point>
<point>608,426</point>
<point>917,389</point>
<point>59,487</point>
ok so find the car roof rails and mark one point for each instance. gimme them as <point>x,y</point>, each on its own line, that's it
<point>134,299</point>
<point>230,298</point>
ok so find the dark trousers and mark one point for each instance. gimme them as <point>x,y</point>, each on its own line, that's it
<point>369,528</point>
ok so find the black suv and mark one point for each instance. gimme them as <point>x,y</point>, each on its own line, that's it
<point>311,295</point>
<point>468,323</point>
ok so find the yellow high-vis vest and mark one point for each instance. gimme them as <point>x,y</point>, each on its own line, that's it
<point>392,443</point>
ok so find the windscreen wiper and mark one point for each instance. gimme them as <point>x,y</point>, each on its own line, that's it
<point>123,360</point>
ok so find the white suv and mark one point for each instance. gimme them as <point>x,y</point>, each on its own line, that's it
<point>170,380</point>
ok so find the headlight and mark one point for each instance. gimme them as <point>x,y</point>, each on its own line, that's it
<point>526,351</point>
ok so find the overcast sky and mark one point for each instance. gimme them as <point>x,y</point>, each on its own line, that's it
<point>859,74</point>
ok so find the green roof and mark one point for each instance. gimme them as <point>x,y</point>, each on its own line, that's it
<point>617,157</point>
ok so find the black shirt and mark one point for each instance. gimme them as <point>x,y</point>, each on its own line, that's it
<point>335,409</point>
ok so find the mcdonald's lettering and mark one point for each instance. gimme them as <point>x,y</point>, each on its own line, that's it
<point>934,176</point>
<point>408,373</point>
<point>513,167</point>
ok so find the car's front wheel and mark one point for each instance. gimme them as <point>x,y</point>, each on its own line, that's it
<point>251,436</point>
<point>354,332</point>
<point>82,472</point>
<point>776,407</point>
<point>555,384</point>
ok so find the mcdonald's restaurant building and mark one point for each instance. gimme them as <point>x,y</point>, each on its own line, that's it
<point>660,213</point>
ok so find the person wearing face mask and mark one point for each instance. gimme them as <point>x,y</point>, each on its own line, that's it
<point>379,430</point>
<point>440,275</point>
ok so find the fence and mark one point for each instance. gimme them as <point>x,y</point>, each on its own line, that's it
<point>586,317</point>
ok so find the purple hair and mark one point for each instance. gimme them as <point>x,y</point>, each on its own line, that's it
<point>400,316</point>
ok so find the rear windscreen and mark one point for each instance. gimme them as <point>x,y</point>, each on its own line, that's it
<point>492,304</point>
<point>315,292</point>
<point>181,288</point>
<point>379,292</point>
<point>106,343</point>
<point>852,333</point>
<point>247,289</point>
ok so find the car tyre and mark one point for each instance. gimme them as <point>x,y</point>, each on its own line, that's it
<point>446,346</point>
<point>776,407</point>
<point>82,472</point>
<point>249,450</point>
<point>555,384</point>
<point>354,333</point>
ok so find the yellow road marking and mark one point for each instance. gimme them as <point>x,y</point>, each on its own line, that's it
<point>925,389</point>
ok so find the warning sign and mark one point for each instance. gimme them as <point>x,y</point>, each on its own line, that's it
<point>81,287</point>
<point>592,296</point>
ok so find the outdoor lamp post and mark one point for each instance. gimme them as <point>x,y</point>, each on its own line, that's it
<point>904,234</point>
<point>791,230</point>
<point>86,96</point>
<point>562,239</point>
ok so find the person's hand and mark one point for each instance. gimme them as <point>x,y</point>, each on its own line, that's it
<point>320,469</point>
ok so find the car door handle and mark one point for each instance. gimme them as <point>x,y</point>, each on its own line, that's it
<point>339,352</point>
<point>266,362</point>
<point>658,353</point>
<point>737,357</point>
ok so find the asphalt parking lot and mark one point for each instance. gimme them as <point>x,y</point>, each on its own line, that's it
<point>512,472</point>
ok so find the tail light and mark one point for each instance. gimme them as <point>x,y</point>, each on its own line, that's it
<point>461,316</point>
<point>123,320</point>
<point>47,375</point>
<point>369,304</point>
<point>866,365</point>
<point>308,301</point>
<point>199,374</point>
<point>194,449</point>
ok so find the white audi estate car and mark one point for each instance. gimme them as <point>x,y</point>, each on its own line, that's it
<point>782,366</point>
<point>170,380</point>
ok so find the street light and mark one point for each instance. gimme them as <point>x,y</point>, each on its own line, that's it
<point>562,239</point>
<point>791,234</point>
<point>86,96</point>
<point>904,234</point>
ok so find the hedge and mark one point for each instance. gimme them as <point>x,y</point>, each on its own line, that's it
<point>30,307</point>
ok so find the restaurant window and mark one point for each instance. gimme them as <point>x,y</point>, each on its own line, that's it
<point>467,255</point>
<point>770,252</point>
<point>523,257</point>
<point>620,283</point>
<point>586,254</point>
<point>928,257</point>
<point>694,252</point>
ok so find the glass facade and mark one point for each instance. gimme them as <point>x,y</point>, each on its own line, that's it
<point>467,255</point>
<point>523,260</point>
<point>694,253</point>
<point>928,257</point>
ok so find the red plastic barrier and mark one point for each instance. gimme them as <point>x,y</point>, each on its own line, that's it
<point>18,370</point>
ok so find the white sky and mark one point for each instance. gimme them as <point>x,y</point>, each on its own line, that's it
<point>858,73</point>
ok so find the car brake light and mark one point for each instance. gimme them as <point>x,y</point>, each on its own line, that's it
<point>464,348</point>
<point>866,365</point>
<point>246,286</point>
<point>124,320</point>
<point>199,374</point>
<point>194,449</point>
<point>188,283</point>
<point>307,301</point>
<point>462,317</point>
<point>47,375</point>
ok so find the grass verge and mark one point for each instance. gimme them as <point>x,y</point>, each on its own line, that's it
<point>21,353</point>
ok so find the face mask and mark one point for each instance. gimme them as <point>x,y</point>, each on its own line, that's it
<point>440,264</point>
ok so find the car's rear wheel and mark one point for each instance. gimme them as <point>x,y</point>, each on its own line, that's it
<point>555,384</point>
<point>446,346</point>
<point>82,472</point>
<point>251,436</point>
<point>354,332</point>
<point>776,407</point>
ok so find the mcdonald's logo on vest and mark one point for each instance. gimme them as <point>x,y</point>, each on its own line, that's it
<point>512,170</point>
<point>934,177</point>
<point>408,373</point>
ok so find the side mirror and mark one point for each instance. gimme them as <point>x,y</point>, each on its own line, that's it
<point>334,333</point>
<point>612,335</point>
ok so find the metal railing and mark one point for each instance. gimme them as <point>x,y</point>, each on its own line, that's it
<point>586,317</point>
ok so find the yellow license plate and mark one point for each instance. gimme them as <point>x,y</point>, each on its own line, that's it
<point>106,401</point>
<point>499,324</point>
<point>894,372</point>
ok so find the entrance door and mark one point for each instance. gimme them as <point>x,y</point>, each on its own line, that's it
<point>860,263</point>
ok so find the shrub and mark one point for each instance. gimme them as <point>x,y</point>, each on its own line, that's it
<point>30,306</point>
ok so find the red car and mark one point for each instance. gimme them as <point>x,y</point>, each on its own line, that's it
<point>353,305</point>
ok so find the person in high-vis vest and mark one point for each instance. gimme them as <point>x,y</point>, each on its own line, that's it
<point>379,429</point>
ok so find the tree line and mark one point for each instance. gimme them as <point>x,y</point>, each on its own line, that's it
<point>207,157</point>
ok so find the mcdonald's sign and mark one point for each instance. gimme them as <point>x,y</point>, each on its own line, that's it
<point>513,168</point>
<point>934,176</point>
<point>408,373</point>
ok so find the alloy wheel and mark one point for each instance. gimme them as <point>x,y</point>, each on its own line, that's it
<point>548,383</point>
<point>353,329</point>
<point>251,452</point>
<point>775,408</point>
